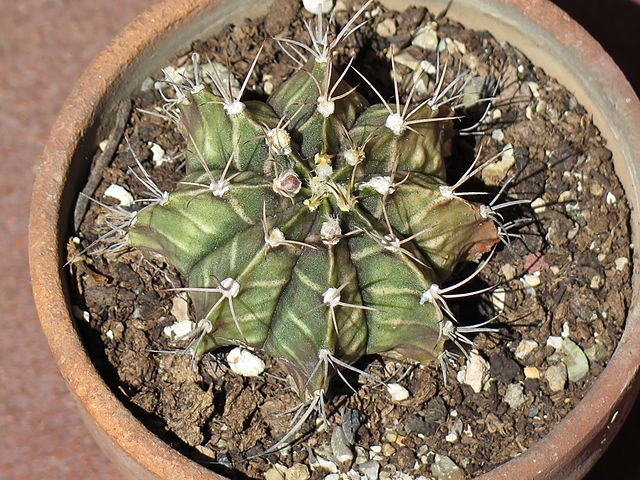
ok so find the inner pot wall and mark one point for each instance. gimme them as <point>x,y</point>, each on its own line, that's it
<point>562,48</point>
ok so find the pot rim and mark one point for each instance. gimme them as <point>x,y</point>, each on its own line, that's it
<point>46,247</point>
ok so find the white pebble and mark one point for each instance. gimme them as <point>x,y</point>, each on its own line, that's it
<point>621,262</point>
<point>495,172</point>
<point>426,38</point>
<point>454,433</point>
<point>397,392</point>
<point>245,363</point>
<point>498,298</point>
<point>498,135</point>
<point>121,194</point>
<point>109,334</point>
<point>610,199</point>
<point>179,329</point>
<point>475,373</point>
<point>386,28</point>
<point>538,205</point>
<point>556,377</point>
<point>524,348</point>
<point>532,279</point>
<point>531,372</point>
<point>555,342</point>
<point>311,6</point>
<point>159,156</point>
<point>180,308</point>
<point>407,60</point>
<point>514,396</point>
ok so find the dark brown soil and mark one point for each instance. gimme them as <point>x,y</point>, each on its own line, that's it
<point>570,248</point>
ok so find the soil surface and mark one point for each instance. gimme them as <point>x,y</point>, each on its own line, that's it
<point>563,278</point>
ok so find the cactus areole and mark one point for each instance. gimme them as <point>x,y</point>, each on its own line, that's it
<point>315,225</point>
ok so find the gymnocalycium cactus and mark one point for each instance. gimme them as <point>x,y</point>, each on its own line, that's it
<point>314,226</point>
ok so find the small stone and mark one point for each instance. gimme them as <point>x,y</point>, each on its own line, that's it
<point>597,282</point>
<point>370,469</point>
<point>443,468</point>
<point>397,392</point>
<point>312,6</point>
<point>179,330</point>
<point>147,84</point>
<point>109,334</point>
<point>556,377</point>
<point>566,330</point>
<point>159,156</point>
<point>535,89</point>
<point>620,263</point>
<point>454,432</point>
<point>495,172</point>
<point>575,360</point>
<point>407,60</point>
<point>571,234</point>
<point>509,271</point>
<point>514,396</point>
<point>524,348</point>
<point>339,446</point>
<point>277,472</point>
<point>243,362</point>
<point>362,456</point>
<point>119,193</point>
<point>610,198</point>
<point>426,38</point>
<point>388,450</point>
<point>497,135</point>
<point>180,308</point>
<point>538,205</point>
<point>498,299</point>
<point>555,342</point>
<point>532,373</point>
<point>352,420</point>
<point>297,472</point>
<point>596,352</point>
<point>391,437</point>
<point>532,279</point>
<point>475,373</point>
<point>386,28</point>
<point>325,464</point>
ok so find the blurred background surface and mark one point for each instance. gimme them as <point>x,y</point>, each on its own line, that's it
<point>44,46</point>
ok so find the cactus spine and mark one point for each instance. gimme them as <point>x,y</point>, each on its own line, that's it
<point>315,225</point>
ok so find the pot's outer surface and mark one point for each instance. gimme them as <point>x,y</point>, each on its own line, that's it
<point>537,27</point>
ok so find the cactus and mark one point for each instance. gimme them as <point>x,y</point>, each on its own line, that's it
<point>313,226</point>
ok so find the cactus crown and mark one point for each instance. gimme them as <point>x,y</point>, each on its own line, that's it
<point>315,226</point>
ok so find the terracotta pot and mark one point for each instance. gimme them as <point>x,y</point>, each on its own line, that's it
<point>541,30</point>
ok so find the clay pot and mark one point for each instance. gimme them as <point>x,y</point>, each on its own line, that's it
<point>537,27</point>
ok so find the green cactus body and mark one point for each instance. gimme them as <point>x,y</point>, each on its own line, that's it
<point>321,237</point>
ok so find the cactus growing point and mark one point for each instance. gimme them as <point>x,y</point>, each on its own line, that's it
<point>315,225</point>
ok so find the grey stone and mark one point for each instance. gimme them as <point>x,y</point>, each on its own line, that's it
<point>352,420</point>
<point>370,469</point>
<point>514,396</point>
<point>443,468</point>
<point>339,446</point>
<point>556,377</point>
<point>575,360</point>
